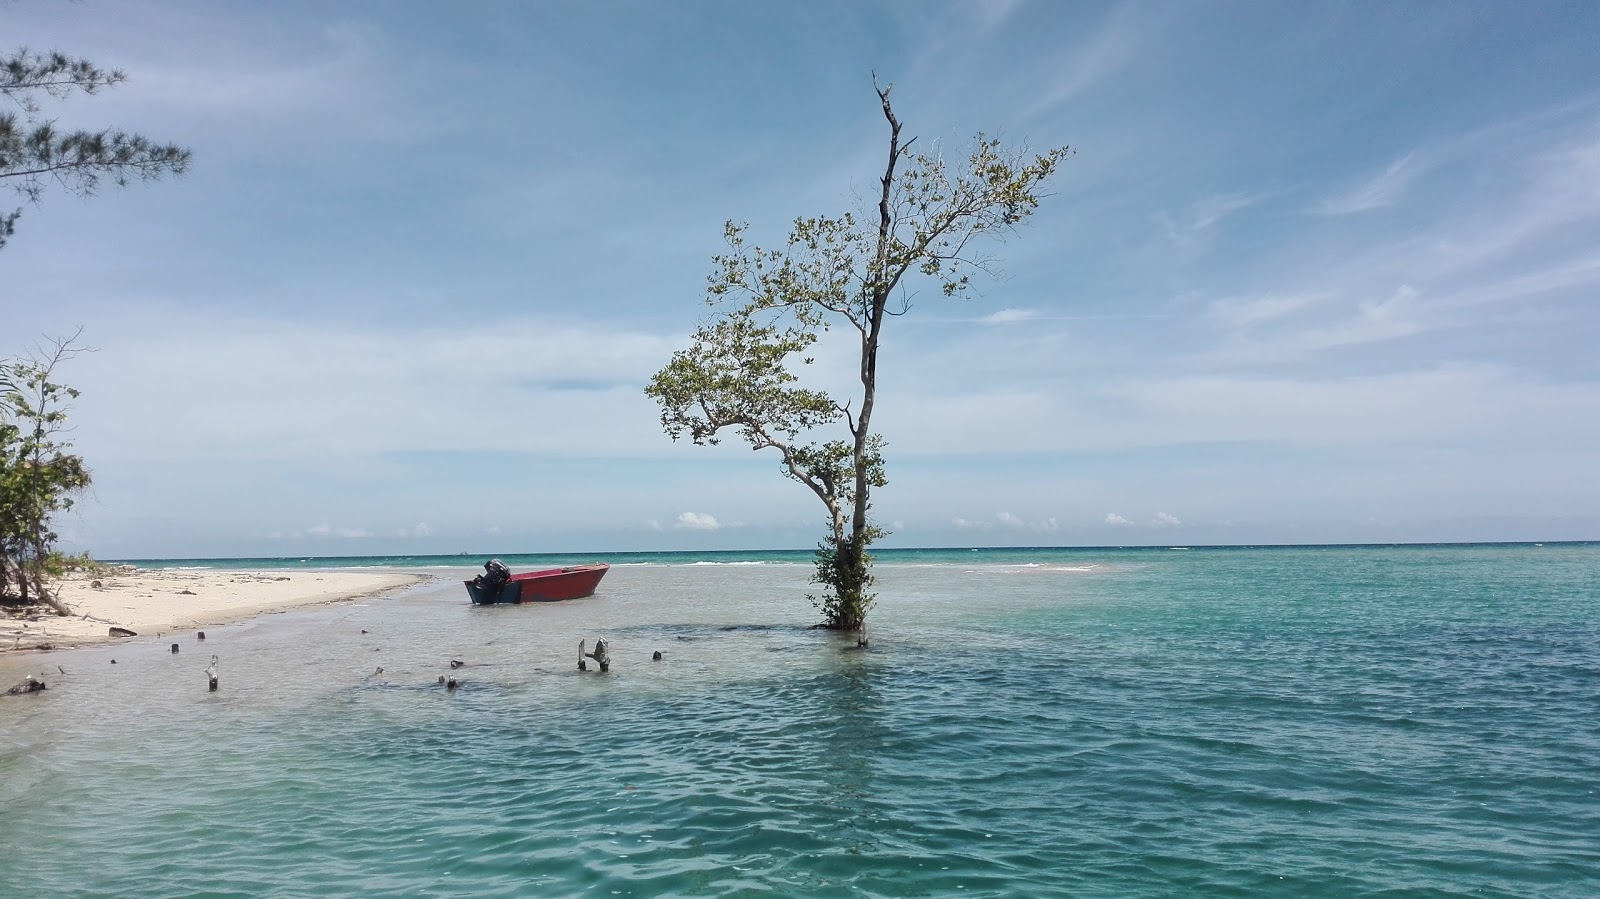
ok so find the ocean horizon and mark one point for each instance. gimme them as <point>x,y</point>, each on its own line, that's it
<point>1412,720</point>
<point>888,556</point>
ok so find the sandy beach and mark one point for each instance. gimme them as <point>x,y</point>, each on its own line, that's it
<point>157,601</point>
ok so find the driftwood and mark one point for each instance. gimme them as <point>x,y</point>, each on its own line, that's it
<point>55,603</point>
<point>122,632</point>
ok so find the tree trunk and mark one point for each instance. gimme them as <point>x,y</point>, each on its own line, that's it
<point>53,602</point>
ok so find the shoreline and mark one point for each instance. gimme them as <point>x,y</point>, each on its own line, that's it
<point>155,602</point>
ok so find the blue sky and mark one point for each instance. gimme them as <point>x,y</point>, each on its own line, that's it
<point>1318,272</point>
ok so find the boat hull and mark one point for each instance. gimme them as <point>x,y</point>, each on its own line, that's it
<point>549,585</point>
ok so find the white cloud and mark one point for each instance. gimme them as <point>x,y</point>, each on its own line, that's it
<point>1009,316</point>
<point>1163,520</point>
<point>326,530</point>
<point>697,521</point>
<point>1116,520</point>
<point>368,392</point>
<point>1015,523</point>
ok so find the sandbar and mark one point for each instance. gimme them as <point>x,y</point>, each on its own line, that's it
<point>152,601</point>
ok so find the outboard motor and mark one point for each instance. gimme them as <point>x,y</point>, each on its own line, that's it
<point>494,578</point>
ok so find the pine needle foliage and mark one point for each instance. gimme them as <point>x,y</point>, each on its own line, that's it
<point>34,153</point>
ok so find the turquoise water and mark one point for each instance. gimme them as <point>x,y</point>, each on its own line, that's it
<point>1345,721</point>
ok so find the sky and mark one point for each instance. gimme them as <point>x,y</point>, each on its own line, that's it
<point>1317,272</point>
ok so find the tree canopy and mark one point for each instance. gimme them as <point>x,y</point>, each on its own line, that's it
<point>34,153</point>
<point>739,373</point>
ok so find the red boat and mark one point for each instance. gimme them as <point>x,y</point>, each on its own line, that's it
<point>497,584</point>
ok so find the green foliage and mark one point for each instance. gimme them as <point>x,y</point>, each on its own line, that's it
<point>771,306</point>
<point>38,477</point>
<point>33,153</point>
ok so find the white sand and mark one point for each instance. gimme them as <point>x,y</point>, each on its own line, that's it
<point>159,601</point>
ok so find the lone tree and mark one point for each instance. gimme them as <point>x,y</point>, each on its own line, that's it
<point>34,154</point>
<point>773,304</point>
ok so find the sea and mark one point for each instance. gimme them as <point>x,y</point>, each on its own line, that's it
<point>1417,721</point>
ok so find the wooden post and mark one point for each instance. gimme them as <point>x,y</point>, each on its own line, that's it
<point>174,649</point>
<point>601,654</point>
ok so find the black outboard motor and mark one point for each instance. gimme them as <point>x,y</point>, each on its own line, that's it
<point>494,578</point>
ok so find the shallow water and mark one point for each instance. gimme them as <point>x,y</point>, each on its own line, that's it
<point>1305,722</point>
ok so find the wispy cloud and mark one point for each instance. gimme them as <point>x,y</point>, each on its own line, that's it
<point>1117,521</point>
<point>1109,48</point>
<point>1009,316</point>
<point>1246,312</point>
<point>1382,189</point>
<point>991,14</point>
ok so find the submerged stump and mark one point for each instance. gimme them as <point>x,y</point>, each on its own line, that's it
<point>30,684</point>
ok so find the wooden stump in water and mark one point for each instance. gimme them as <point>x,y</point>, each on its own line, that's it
<point>30,684</point>
<point>174,649</point>
<point>601,654</point>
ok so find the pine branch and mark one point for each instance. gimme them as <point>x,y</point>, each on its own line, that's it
<point>79,160</point>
